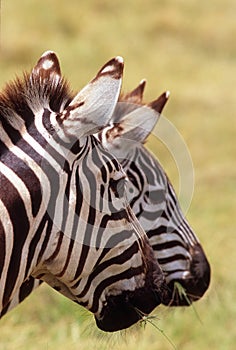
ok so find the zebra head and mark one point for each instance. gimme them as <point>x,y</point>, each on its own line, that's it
<point>153,199</point>
<point>65,218</point>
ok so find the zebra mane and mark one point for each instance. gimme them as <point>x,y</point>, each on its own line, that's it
<point>32,93</point>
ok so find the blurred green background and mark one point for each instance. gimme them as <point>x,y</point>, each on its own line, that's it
<point>189,48</point>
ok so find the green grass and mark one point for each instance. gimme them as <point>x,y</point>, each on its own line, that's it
<point>187,47</point>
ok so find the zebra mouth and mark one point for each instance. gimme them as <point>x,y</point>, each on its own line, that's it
<point>118,314</point>
<point>123,310</point>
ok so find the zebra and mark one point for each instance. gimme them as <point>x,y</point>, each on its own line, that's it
<point>153,198</point>
<point>176,248</point>
<point>178,266</point>
<point>64,217</point>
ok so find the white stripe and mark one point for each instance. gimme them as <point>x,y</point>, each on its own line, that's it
<point>175,265</point>
<point>25,195</point>
<point>8,229</point>
<point>130,284</point>
<point>178,275</point>
<point>37,170</point>
<point>40,127</point>
<point>171,252</point>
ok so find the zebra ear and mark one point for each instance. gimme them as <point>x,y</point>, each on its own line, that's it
<point>139,123</point>
<point>93,106</point>
<point>48,66</point>
<point>136,95</point>
<point>160,102</point>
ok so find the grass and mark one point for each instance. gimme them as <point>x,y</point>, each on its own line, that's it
<point>188,48</point>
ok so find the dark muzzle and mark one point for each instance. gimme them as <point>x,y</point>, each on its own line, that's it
<point>195,285</point>
<point>128,307</point>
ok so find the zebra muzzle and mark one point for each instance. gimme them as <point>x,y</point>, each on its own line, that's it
<point>193,284</point>
<point>127,308</point>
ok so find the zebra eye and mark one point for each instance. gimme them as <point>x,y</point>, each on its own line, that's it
<point>155,196</point>
<point>118,187</point>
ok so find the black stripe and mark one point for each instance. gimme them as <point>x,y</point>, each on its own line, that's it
<point>82,260</point>
<point>73,145</point>
<point>128,274</point>
<point>33,244</point>
<point>26,288</point>
<point>120,259</point>
<point>168,245</point>
<point>53,256</point>
<point>149,174</point>
<point>12,133</point>
<point>78,206</point>
<point>86,246</point>
<point>157,231</point>
<point>46,239</point>
<point>18,215</point>
<point>132,178</point>
<point>169,259</point>
<point>104,174</point>
<point>2,245</point>
<point>101,199</point>
<point>90,219</point>
<point>68,256</point>
<point>115,216</point>
<point>66,199</point>
<point>74,233</point>
<point>31,181</point>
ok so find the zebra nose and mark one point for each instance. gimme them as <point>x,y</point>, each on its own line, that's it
<point>194,282</point>
<point>200,272</point>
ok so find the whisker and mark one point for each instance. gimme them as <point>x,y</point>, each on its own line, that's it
<point>150,319</point>
<point>178,288</point>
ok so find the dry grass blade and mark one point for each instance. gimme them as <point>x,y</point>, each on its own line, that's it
<point>150,319</point>
<point>180,290</point>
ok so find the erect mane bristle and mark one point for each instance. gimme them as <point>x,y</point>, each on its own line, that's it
<point>31,92</point>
